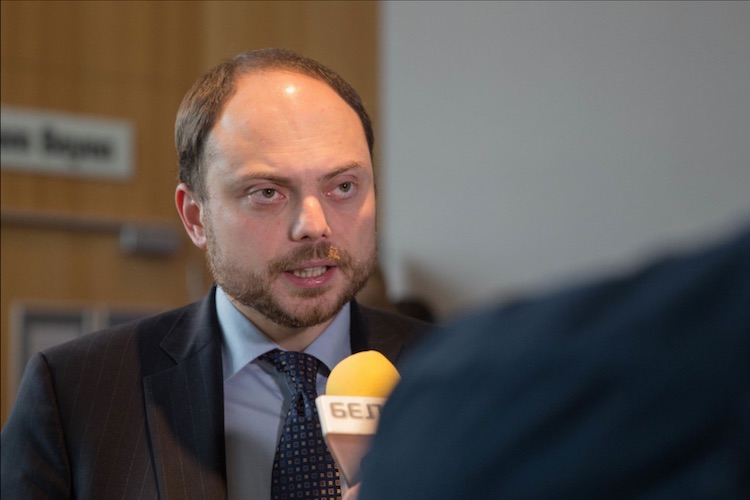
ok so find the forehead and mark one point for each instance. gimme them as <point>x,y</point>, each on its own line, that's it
<point>264,95</point>
<point>276,117</point>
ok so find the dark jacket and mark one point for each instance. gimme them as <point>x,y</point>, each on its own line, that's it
<point>137,411</point>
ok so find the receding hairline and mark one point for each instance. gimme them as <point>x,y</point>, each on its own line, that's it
<point>211,148</point>
<point>206,101</point>
<point>250,72</point>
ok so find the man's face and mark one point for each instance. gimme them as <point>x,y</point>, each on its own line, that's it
<point>289,213</point>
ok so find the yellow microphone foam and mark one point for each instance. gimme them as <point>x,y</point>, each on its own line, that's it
<point>366,373</point>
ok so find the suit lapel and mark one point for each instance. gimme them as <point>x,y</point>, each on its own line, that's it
<point>185,408</point>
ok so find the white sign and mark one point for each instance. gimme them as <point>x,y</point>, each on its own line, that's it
<point>68,144</point>
<point>349,414</point>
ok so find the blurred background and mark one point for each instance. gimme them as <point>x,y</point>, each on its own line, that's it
<point>520,145</point>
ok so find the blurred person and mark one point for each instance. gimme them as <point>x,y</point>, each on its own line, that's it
<point>277,186</point>
<point>375,292</point>
<point>633,386</point>
<point>416,308</point>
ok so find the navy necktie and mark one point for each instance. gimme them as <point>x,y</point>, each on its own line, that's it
<point>303,467</point>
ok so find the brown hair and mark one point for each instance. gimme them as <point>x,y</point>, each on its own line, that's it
<point>205,100</point>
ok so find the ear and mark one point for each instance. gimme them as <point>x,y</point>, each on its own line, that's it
<point>191,213</point>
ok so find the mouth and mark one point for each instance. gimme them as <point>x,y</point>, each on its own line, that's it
<point>311,267</point>
<point>310,272</point>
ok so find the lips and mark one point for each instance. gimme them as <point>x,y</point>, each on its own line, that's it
<point>310,272</point>
<point>311,266</point>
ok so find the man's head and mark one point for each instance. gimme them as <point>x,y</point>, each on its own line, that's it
<point>277,185</point>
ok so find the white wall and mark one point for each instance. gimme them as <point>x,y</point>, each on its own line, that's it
<point>527,144</point>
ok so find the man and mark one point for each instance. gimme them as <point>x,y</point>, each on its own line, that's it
<point>277,186</point>
<point>635,386</point>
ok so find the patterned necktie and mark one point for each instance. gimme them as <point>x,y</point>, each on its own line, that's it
<point>303,467</point>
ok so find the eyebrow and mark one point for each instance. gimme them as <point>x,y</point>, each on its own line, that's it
<point>262,176</point>
<point>286,180</point>
<point>355,165</point>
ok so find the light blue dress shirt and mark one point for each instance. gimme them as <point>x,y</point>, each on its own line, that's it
<point>257,397</point>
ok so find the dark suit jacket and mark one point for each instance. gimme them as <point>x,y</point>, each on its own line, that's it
<point>635,386</point>
<point>137,411</point>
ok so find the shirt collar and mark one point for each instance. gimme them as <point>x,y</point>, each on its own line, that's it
<point>243,342</point>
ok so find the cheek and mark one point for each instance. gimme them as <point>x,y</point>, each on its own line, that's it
<point>363,233</point>
<point>246,240</point>
<point>370,215</point>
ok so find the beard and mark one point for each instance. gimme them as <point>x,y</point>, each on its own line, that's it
<point>254,289</point>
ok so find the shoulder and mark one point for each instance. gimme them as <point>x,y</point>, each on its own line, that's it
<point>390,333</point>
<point>137,337</point>
<point>399,323</point>
<point>685,293</point>
<point>695,300</point>
<point>623,357</point>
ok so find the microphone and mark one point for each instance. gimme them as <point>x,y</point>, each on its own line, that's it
<point>349,412</point>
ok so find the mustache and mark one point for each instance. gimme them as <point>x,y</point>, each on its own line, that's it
<point>324,250</point>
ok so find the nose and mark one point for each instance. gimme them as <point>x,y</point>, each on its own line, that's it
<point>311,222</point>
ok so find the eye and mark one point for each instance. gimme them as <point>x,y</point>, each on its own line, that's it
<point>265,195</point>
<point>343,190</point>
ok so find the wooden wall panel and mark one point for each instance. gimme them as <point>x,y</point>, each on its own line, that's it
<point>108,66</point>
<point>342,35</point>
<point>134,61</point>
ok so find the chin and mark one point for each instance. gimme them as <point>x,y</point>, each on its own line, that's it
<point>308,315</point>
